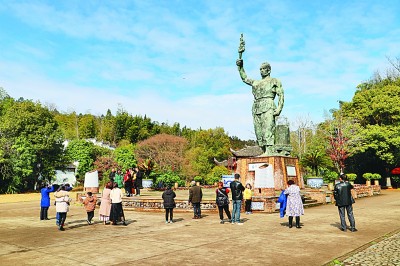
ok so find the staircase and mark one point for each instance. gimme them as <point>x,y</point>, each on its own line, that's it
<point>308,202</point>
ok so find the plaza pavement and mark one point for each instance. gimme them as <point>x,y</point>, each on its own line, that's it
<point>263,239</point>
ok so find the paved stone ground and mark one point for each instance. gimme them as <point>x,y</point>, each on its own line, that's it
<point>263,239</point>
<point>384,251</point>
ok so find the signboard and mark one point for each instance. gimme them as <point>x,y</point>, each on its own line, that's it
<point>257,205</point>
<point>291,170</point>
<point>227,179</point>
<point>264,175</point>
<point>91,179</point>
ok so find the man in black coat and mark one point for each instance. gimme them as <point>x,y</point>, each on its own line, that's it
<point>138,181</point>
<point>237,196</point>
<point>344,201</point>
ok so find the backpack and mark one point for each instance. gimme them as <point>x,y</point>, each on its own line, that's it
<point>222,198</point>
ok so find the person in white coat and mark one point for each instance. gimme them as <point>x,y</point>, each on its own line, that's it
<point>62,206</point>
<point>117,213</point>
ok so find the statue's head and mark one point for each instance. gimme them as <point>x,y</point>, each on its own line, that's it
<point>265,69</point>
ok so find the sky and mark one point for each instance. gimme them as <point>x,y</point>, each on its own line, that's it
<point>175,61</point>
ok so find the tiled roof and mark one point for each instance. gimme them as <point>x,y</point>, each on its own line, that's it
<point>248,151</point>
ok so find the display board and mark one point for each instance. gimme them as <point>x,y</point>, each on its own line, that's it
<point>264,175</point>
<point>91,179</point>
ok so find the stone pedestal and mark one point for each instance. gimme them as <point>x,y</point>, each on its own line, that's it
<point>388,183</point>
<point>269,173</point>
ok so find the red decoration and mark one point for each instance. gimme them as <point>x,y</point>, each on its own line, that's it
<point>396,171</point>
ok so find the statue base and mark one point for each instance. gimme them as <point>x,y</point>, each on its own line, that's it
<point>266,174</point>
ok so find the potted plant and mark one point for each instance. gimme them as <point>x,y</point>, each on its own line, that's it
<point>198,180</point>
<point>330,177</point>
<point>352,177</point>
<point>376,178</point>
<point>367,177</point>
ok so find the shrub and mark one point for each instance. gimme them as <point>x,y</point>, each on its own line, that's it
<point>367,176</point>
<point>330,176</point>
<point>216,175</point>
<point>198,179</point>
<point>376,176</point>
<point>351,177</point>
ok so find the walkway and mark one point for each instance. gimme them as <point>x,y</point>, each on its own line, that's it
<point>263,238</point>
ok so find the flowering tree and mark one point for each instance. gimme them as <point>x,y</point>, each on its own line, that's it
<point>338,150</point>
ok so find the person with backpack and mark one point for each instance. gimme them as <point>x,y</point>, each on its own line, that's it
<point>222,201</point>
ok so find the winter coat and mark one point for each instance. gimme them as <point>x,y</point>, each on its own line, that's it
<point>45,192</point>
<point>342,194</point>
<point>282,206</point>
<point>168,197</point>
<point>119,179</point>
<point>237,190</point>
<point>294,204</point>
<point>105,206</point>
<point>139,178</point>
<point>195,194</point>
<point>90,203</point>
<point>62,201</point>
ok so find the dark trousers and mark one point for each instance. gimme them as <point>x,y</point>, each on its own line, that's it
<point>90,215</point>
<point>43,213</point>
<point>196,209</point>
<point>63,217</point>
<point>247,205</point>
<point>128,190</point>
<point>169,211</point>
<point>221,210</point>
<point>137,190</point>
<point>350,216</point>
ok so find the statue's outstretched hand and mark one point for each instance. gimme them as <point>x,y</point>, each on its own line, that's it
<point>239,62</point>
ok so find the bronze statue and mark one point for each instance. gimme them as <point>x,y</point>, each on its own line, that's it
<point>264,108</point>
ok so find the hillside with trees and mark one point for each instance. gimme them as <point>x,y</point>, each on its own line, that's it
<point>32,137</point>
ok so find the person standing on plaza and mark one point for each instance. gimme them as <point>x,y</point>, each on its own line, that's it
<point>222,201</point>
<point>344,201</point>
<point>112,175</point>
<point>62,206</point>
<point>237,196</point>
<point>169,203</point>
<point>119,179</point>
<point>195,197</point>
<point>128,183</point>
<point>90,205</point>
<point>105,203</point>
<point>294,204</point>
<point>138,181</point>
<point>45,201</point>
<point>117,212</point>
<point>247,196</point>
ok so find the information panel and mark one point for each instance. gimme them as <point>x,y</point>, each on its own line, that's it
<point>264,175</point>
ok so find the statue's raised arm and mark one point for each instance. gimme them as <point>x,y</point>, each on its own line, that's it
<point>239,62</point>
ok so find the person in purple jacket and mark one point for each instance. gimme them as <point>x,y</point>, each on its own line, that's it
<point>45,201</point>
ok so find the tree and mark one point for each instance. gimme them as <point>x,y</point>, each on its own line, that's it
<point>87,126</point>
<point>125,156</point>
<point>29,130</point>
<point>81,151</point>
<point>166,151</point>
<point>375,108</point>
<point>204,146</point>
